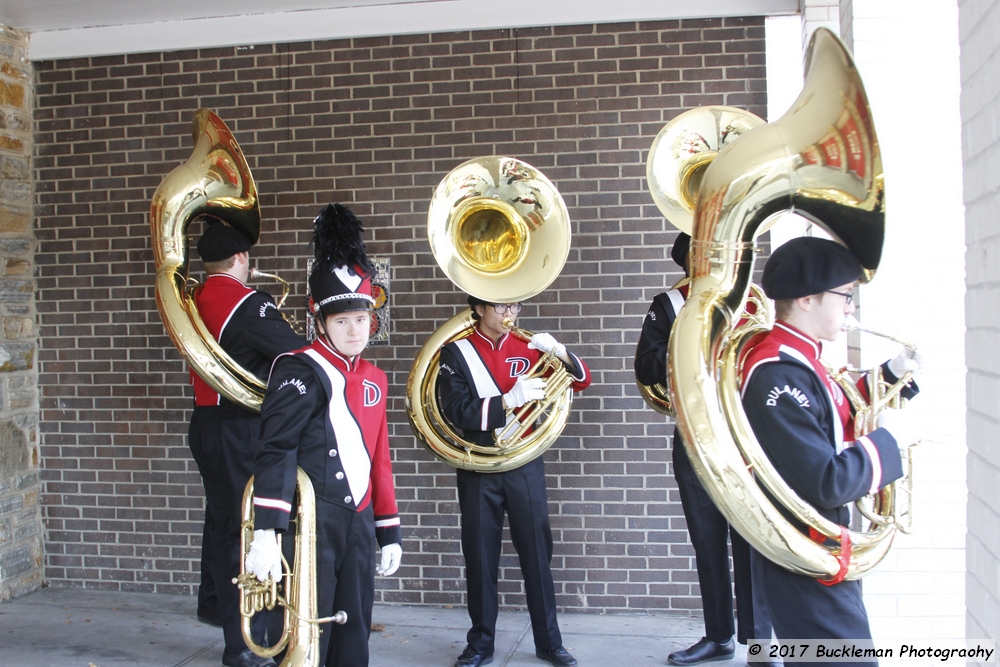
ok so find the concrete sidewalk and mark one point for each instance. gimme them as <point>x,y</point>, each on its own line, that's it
<point>65,627</point>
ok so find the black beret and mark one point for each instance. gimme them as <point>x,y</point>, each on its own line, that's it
<point>679,253</point>
<point>808,265</point>
<point>220,241</point>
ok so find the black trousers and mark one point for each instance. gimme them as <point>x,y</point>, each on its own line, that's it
<point>484,497</point>
<point>207,596</point>
<point>710,533</point>
<point>345,572</point>
<point>803,608</point>
<point>223,440</point>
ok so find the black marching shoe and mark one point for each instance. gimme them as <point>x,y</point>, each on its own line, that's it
<point>557,656</point>
<point>470,658</point>
<point>210,616</point>
<point>705,650</point>
<point>245,658</point>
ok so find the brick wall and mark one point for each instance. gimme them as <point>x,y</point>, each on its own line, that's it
<point>374,123</point>
<point>978,23</point>
<point>20,516</point>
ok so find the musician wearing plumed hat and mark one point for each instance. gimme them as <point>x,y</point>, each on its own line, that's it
<point>223,434</point>
<point>804,424</point>
<point>325,412</point>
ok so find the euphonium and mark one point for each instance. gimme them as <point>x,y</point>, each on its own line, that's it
<point>301,629</point>
<point>500,231</point>
<point>821,160</point>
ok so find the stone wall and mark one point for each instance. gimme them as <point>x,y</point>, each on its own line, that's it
<point>20,518</point>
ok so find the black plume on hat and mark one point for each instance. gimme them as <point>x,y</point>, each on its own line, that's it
<point>808,265</point>
<point>341,276</point>
<point>220,241</point>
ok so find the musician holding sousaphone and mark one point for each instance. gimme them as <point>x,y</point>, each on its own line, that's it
<point>325,412</point>
<point>482,383</point>
<point>710,533</point>
<point>804,423</point>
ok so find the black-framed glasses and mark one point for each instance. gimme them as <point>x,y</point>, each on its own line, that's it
<point>849,296</point>
<point>512,308</point>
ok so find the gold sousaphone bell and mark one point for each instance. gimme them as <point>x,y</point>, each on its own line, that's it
<point>678,158</point>
<point>500,231</point>
<point>821,160</point>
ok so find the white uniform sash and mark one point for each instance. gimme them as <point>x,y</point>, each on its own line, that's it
<point>350,441</point>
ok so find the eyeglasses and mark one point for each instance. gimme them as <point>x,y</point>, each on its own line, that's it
<point>849,296</point>
<point>512,308</point>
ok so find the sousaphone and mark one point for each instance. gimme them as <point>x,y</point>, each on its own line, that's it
<point>500,231</point>
<point>822,161</point>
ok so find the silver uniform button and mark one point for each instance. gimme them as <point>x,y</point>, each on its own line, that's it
<point>333,452</point>
<point>347,499</point>
<point>340,475</point>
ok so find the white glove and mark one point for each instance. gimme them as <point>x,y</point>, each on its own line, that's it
<point>906,361</point>
<point>545,343</point>
<point>524,390</point>
<point>900,425</point>
<point>265,557</point>
<point>391,555</point>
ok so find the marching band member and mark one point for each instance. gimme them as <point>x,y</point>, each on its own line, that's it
<point>706,525</point>
<point>803,422</point>
<point>480,379</point>
<point>222,434</point>
<point>325,411</point>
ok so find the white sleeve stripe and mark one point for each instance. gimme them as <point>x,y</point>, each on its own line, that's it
<point>387,522</point>
<point>485,416</point>
<point>273,503</point>
<point>872,451</point>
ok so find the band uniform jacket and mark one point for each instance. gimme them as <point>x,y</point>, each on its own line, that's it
<point>474,375</point>
<point>326,414</point>
<point>651,350</point>
<point>247,325</point>
<point>804,423</point>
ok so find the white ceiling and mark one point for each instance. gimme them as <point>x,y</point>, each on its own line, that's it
<point>76,28</point>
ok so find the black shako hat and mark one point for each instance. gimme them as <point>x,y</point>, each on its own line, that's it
<point>341,276</point>
<point>220,241</point>
<point>808,265</point>
<point>679,253</point>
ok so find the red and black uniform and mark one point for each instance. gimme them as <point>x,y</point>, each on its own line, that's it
<point>223,435</point>
<point>706,525</point>
<point>474,374</point>
<point>326,414</point>
<point>803,421</point>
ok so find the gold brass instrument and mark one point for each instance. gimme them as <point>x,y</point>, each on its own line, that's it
<point>500,231</point>
<point>215,181</point>
<point>821,160</point>
<point>677,160</point>
<point>301,628</point>
<point>885,506</point>
<point>293,322</point>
